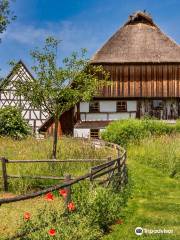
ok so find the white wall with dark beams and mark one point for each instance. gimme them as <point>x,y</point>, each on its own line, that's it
<point>8,97</point>
<point>107,112</point>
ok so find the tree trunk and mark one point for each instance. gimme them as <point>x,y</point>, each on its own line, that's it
<point>55,137</point>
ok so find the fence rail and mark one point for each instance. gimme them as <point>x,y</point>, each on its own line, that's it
<point>103,173</point>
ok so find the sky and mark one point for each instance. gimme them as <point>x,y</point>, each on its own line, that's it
<point>78,24</point>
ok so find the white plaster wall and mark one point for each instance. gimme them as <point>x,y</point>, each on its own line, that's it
<point>131,105</point>
<point>118,116</point>
<point>84,107</point>
<point>133,115</point>
<point>96,117</point>
<point>38,123</point>
<point>82,117</point>
<point>82,132</point>
<point>107,106</point>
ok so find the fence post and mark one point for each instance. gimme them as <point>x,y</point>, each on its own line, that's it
<point>4,174</point>
<point>123,170</point>
<point>68,197</point>
<point>118,152</point>
<point>109,159</point>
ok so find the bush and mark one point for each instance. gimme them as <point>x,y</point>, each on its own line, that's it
<point>177,126</point>
<point>95,210</point>
<point>133,130</point>
<point>12,123</point>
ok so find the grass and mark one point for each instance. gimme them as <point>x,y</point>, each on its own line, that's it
<point>31,148</point>
<point>68,148</point>
<point>155,201</point>
<point>12,214</point>
<point>154,173</point>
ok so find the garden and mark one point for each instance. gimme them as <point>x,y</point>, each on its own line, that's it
<point>88,215</point>
<point>149,199</point>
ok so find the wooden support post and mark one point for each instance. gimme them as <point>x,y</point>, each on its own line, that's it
<point>68,197</point>
<point>118,152</point>
<point>109,159</point>
<point>4,174</point>
<point>119,165</point>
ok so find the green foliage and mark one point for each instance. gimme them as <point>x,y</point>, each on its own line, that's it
<point>133,130</point>
<point>57,89</point>
<point>178,126</point>
<point>161,153</point>
<point>102,205</point>
<point>5,15</point>
<point>12,123</point>
<point>31,148</point>
<point>96,209</point>
<point>154,202</point>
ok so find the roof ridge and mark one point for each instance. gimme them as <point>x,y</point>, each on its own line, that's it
<point>138,41</point>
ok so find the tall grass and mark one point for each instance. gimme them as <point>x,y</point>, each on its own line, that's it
<point>32,149</point>
<point>162,153</point>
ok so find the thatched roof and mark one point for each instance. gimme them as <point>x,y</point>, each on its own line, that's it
<point>139,40</point>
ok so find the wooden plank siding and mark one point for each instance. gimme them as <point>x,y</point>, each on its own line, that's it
<point>143,80</point>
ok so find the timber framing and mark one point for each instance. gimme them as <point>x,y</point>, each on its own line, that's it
<point>8,97</point>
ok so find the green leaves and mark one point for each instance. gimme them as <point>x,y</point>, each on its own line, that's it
<point>12,123</point>
<point>126,131</point>
<point>55,88</point>
<point>6,16</point>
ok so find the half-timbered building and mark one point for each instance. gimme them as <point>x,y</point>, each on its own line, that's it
<point>8,97</point>
<point>144,67</point>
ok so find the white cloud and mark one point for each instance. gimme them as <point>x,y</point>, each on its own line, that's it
<point>73,36</point>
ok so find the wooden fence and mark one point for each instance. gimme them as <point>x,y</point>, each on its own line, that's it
<point>102,173</point>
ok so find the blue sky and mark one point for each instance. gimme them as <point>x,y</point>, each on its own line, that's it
<point>78,23</point>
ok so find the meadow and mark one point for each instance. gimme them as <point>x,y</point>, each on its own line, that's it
<point>150,200</point>
<point>68,148</point>
<point>154,169</point>
<point>33,149</point>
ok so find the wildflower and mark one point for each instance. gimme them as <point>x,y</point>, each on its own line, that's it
<point>119,221</point>
<point>63,192</point>
<point>27,216</point>
<point>49,196</point>
<point>52,232</point>
<point>71,206</point>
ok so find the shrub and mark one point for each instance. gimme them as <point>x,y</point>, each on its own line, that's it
<point>95,209</point>
<point>123,131</point>
<point>102,206</point>
<point>177,126</point>
<point>133,130</point>
<point>12,123</point>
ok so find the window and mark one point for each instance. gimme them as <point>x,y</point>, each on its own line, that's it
<point>94,107</point>
<point>157,104</point>
<point>121,106</point>
<point>94,133</point>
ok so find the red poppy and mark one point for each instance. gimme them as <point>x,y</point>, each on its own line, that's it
<point>27,216</point>
<point>49,197</point>
<point>119,221</point>
<point>63,192</point>
<point>52,232</point>
<point>71,206</point>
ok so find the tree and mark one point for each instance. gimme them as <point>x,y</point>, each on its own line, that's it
<point>12,123</point>
<point>57,89</point>
<point>6,15</point>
